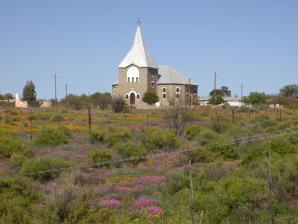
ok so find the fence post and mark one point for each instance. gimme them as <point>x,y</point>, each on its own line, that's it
<point>191,195</point>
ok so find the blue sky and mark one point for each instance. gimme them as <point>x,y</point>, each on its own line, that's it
<point>254,42</point>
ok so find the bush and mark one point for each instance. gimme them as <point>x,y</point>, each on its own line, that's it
<point>96,136</point>
<point>51,136</point>
<point>99,156</point>
<point>17,200</point>
<point>278,146</point>
<point>264,121</point>
<point>225,149</point>
<point>118,104</point>
<point>218,123</point>
<point>57,118</point>
<point>150,98</point>
<point>153,138</point>
<point>115,136</point>
<point>9,145</point>
<point>129,149</point>
<point>206,137</point>
<point>192,131</point>
<point>35,167</point>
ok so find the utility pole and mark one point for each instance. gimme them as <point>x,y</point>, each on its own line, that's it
<point>241,95</point>
<point>215,77</point>
<point>66,100</point>
<point>189,92</point>
<point>55,80</point>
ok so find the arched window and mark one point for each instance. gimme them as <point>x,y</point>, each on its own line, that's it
<point>133,74</point>
<point>138,96</point>
<point>126,96</point>
<point>152,84</point>
<point>164,89</point>
<point>177,95</point>
<point>177,89</point>
<point>164,95</point>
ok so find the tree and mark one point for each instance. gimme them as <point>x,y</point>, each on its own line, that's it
<point>102,100</point>
<point>216,100</point>
<point>255,98</point>
<point>226,91</point>
<point>118,104</point>
<point>150,98</point>
<point>289,90</point>
<point>29,93</point>
<point>7,96</point>
<point>216,92</point>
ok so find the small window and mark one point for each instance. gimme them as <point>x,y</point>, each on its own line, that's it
<point>128,79</point>
<point>164,95</point>
<point>152,84</point>
<point>177,95</point>
<point>138,96</point>
<point>177,89</point>
<point>164,89</point>
<point>137,79</point>
<point>132,79</point>
<point>126,96</point>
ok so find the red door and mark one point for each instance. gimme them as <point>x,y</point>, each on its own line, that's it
<point>132,99</point>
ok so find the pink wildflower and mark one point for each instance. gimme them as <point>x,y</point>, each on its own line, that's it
<point>144,202</point>
<point>154,211</point>
<point>111,203</point>
<point>155,180</point>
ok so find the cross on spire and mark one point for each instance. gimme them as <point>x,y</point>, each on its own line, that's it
<point>138,22</point>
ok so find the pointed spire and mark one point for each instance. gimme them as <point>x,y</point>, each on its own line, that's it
<point>138,53</point>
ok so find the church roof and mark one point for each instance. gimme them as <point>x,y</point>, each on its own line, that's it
<point>170,75</point>
<point>138,54</point>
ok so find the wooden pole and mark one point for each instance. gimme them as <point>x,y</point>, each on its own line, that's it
<point>30,123</point>
<point>270,182</point>
<point>191,195</point>
<point>89,117</point>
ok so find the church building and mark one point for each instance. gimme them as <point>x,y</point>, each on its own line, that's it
<point>139,73</point>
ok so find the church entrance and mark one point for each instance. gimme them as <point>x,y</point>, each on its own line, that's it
<point>132,99</point>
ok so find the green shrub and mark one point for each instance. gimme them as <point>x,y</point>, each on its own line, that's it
<point>130,149</point>
<point>57,118</point>
<point>38,168</point>
<point>206,137</point>
<point>191,131</point>
<point>278,146</point>
<point>218,123</point>
<point>17,200</point>
<point>96,136</point>
<point>17,160</point>
<point>171,141</point>
<point>51,136</point>
<point>115,136</point>
<point>99,156</point>
<point>156,138</point>
<point>153,138</point>
<point>225,149</point>
<point>65,130</point>
<point>9,145</point>
<point>264,121</point>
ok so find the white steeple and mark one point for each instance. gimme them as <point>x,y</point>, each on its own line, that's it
<point>138,54</point>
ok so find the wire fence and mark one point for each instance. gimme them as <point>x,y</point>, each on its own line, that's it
<point>111,163</point>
